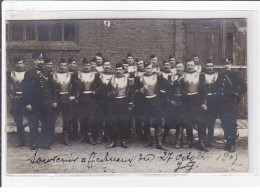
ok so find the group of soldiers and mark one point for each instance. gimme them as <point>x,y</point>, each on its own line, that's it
<point>109,103</point>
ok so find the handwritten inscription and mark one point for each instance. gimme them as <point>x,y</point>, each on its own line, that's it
<point>180,162</point>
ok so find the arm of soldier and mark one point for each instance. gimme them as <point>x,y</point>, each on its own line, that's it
<point>131,93</point>
<point>54,93</point>
<point>241,85</point>
<point>27,90</point>
<point>77,85</point>
<point>163,83</point>
<point>8,84</point>
<point>100,86</point>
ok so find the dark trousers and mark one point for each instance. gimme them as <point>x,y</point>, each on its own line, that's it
<point>119,118</point>
<point>193,116</point>
<point>87,115</point>
<point>211,114</point>
<point>228,117</point>
<point>139,113</point>
<point>45,114</point>
<point>66,110</point>
<point>153,111</point>
<point>74,120</point>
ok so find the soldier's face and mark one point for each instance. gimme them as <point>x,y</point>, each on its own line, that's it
<point>63,67</point>
<point>153,61</point>
<point>107,66</point>
<point>196,60</point>
<point>93,65</point>
<point>190,66</point>
<point>130,60</point>
<point>119,71</point>
<point>172,62</point>
<point>149,70</point>
<point>179,68</point>
<point>49,66</point>
<point>99,60</point>
<point>228,66</point>
<point>209,67</point>
<point>167,66</point>
<point>73,65</point>
<point>140,65</point>
<point>87,67</point>
<point>39,62</point>
<point>19,65</point>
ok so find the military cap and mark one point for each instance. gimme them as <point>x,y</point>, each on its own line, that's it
<point>118,65</point>
<point>208,61</point>
<point>17,59</point>
<point>93,59</point>
<point>152,56</point>
<point>48,60</point>
<point>194,55</point>
<point>226,60</point>
<point>71,60</point>
<point>129,55</point>
<point>38,55</point>
<point>99,54</point>
<point>62,61</point>
<point>188,60</point>
<point>85,61</point>
<point>171,56</point>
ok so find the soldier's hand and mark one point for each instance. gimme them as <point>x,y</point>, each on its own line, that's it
<point>72,97</point>
<point>131,106</point>
<point>204,107</point>
<point>28,107</point>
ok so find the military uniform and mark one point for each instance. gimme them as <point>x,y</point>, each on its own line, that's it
<point>121,95</point>
<point>39,92</point>
<point>92,84</point>
<point>211,99</point>
<point>192,101</point>
<point>64,82</point>
<point>15,84</point>
<point>232,86</point>
<point>174,115</point>
<point>152,105</point>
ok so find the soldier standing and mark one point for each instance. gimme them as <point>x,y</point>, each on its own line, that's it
<point>92,84</point>
<point>73,69</point>
<point>150,84</point>
<point>122,98</point>
<point>15,81</point>
<point>99,62</point>
<point>232,87</point>
<point>154,61</point>
<point>93,64</point>
<point>192,102</point>
<point>65,81</point>
<point>211,103</point>
<point>198,66</point>
<point>174,115</point>
<point>139,109</point>
<point>40,97</point>
<point>172,61</point>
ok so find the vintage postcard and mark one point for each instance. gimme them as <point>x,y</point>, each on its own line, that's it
<point>124,94</point>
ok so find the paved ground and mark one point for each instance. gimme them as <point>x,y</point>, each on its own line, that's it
<point>86,158</point>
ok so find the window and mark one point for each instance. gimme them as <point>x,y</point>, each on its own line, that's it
<point>53,30</point>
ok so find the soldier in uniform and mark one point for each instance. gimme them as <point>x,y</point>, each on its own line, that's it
<point>131,64</point>
<point>174,115</point>
<point>40,97</point>
<point>139,109</point>
<point>192,102</point>
<point>99,61</point>
<point>73,69</point>
<point>102,111</point>
<point>92,84</point>
<point>232,86</point>
<point>125,68</point>
<point>65,81</point>
<point>198,66</point>
<point>122,98</point>
<point>15,81</point>
<point>93,64</point>
<point>172,61</point>
<point>211,103</point>
<point>150,84</point>
<point>49,65</point>
<point>154,61</point>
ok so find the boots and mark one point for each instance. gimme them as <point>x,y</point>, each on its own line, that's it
<point>149,142</point>
<point>179,136</point>
<point>20,144</point>
<point>189,132</point>
<point>91,139</point>
<point>158,138</point>
<point>211,142</point>
<point>99,136</point>
<point>124,143</point>
<point>232,147</point>
<point>113,144</point>
<point>203,146</point>
<point>67,141</point>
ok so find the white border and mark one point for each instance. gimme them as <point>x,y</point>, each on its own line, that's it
<point>146,10</point>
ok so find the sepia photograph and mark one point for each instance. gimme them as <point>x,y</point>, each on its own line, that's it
<point>131,95</point>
